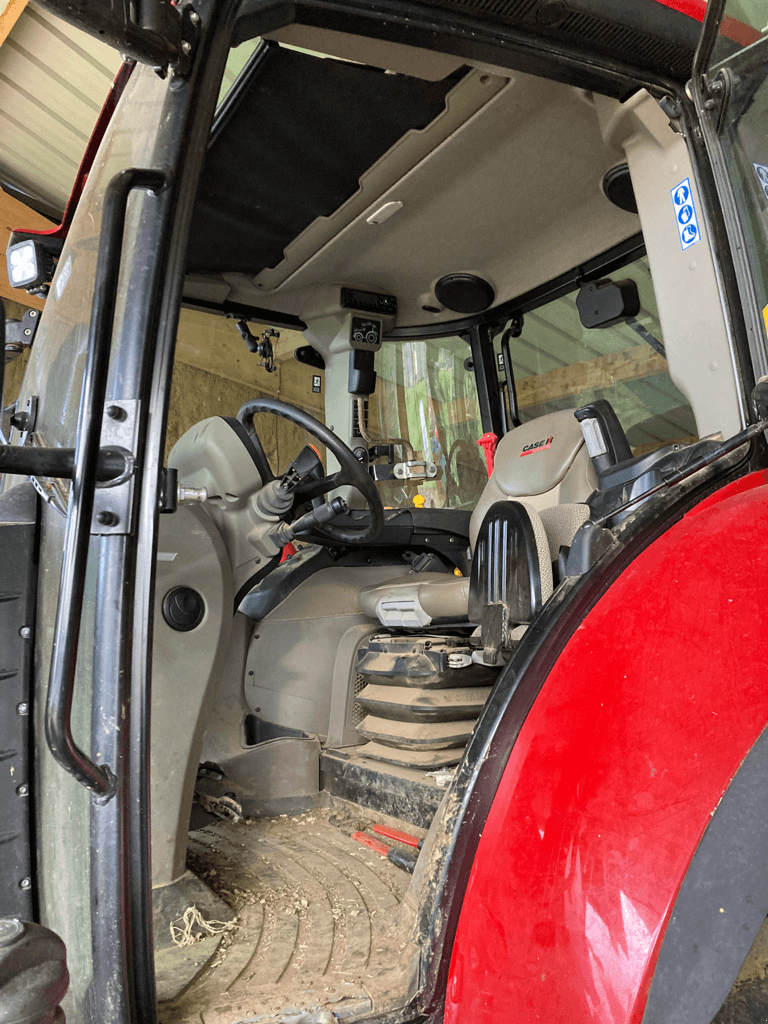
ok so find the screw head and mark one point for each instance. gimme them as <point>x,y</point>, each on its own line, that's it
<point>27,332</point>
<point>107,518</point>
<point>23,789</point>
<point>116,413</point>
<point>194,17</point>
<point>22,709</point>
<point>25,883</point>
<point>32,314</point>
<point>25,632</point>
<point>186,47</point>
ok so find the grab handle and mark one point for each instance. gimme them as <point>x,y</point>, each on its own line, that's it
<point>58,726</point>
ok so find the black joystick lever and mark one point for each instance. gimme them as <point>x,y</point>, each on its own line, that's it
<point>606,441</point>
<point>285,532</point>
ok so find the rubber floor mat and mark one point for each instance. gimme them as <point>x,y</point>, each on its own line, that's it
<point>320,924</point>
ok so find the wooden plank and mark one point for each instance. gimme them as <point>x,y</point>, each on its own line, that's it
<point>13,216</point>
<point>213,344</point>
<point>9,15</point>
<point>632,364</point>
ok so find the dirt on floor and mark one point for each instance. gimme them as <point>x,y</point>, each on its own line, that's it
<point>321,930</point>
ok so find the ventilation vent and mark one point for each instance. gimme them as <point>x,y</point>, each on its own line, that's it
<point>579,29</point>
<point>357,713</point>
<point>639,47</point>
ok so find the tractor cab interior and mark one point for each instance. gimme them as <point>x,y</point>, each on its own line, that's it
<point>463,250</point>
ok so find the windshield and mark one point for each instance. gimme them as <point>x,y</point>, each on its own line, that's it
<point>426,396</point>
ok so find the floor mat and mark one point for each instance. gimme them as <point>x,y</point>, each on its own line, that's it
<point>320,924</point>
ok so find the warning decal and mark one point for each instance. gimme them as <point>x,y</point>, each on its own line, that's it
<point>761,170</point>
<point>685,214</point>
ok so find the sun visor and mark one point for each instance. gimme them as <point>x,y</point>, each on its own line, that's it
<point>291,146</point>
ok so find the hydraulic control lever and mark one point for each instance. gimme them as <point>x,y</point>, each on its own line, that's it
<point>285,532</point>
<point>604,436</point>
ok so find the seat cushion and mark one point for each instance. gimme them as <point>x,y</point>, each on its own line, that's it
<point>561,523</point>
<point>416,600</point>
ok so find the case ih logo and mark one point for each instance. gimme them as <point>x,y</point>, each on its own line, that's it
<point>537,446</point>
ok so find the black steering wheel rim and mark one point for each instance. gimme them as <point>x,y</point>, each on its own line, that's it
<point>353,473</point>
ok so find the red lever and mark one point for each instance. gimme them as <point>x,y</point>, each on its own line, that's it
<point>488,442</point>
<point>374,844</point>
<point>400,837</point>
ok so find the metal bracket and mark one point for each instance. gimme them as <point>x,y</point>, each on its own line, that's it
<point>19,334</point>
<point>418,469</point>
<point>24,420</point>
<point>113,499</point>
<point>187,29</point>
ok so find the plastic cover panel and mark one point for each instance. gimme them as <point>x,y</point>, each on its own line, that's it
<point>506,586</point>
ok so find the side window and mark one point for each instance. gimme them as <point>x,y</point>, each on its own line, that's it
<point>214,374</point>
<point>426,396</point>
<point>559,364</point>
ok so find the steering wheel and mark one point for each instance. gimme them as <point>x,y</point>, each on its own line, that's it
<point>352,473</point>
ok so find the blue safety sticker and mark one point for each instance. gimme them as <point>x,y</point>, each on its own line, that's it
<point>685,214</point>
<point>762,176</point>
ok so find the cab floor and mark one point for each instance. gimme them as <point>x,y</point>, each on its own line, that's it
<point>320,924</point>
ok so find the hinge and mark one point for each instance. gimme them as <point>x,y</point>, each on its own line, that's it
<point>717,91</point>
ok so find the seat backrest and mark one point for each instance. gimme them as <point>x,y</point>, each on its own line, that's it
<point>543,462</point>
<point>511,574</point>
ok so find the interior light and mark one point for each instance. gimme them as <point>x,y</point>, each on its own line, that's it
<point>384,212</point>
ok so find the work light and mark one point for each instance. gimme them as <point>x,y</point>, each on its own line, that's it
<point>29,265</point>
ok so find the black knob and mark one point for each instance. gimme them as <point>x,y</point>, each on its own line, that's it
<point>183,609</point>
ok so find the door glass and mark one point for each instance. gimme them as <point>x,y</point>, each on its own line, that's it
<point>744,143</point>
<point>426,398</point>
<point>237,60</point>
<point>559,364</point>
<point>744,22</point>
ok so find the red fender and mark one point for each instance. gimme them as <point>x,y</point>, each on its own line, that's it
<point>636,733</point>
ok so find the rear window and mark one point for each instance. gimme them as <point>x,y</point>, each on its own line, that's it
<point>559,364</point>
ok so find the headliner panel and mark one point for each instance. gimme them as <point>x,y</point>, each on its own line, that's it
<point>543,141</point>
<point>292,147</point>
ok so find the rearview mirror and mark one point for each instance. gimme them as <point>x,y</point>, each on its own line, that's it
<point>605,303</point>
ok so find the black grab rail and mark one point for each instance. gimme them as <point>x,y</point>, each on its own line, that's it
<point>58,727</point>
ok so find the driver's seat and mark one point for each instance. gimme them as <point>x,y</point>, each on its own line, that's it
<point>542,464</point>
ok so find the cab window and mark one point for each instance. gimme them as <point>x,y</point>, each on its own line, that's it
<point>426,396</point>
<point>559,364</point>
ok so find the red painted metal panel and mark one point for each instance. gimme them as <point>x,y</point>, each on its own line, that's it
<point>736,30</point>
<point>634,737</point>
